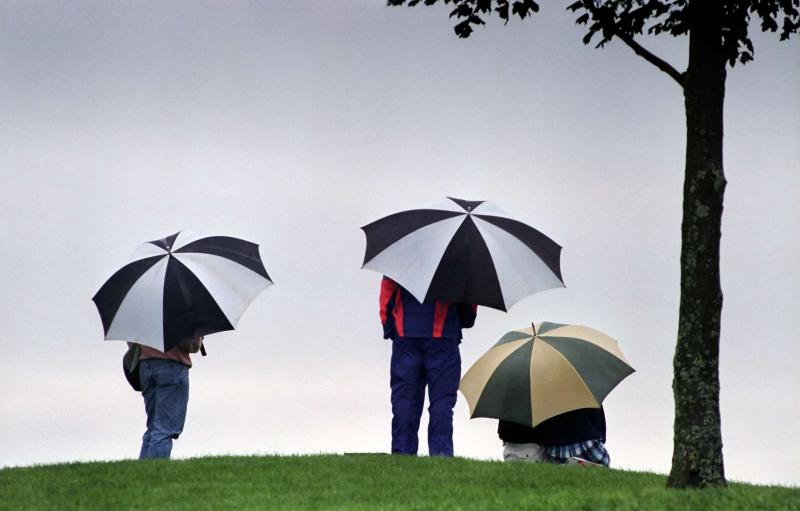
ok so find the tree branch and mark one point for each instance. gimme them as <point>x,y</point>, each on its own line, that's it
<point>607,18</point>
<point>649,57</point>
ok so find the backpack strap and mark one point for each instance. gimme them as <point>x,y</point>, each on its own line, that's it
<point>136,352</point>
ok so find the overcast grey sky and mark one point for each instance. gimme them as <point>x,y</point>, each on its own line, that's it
<point>291,124</point>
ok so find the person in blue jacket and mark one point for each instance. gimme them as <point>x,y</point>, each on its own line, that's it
<point>425,339</point>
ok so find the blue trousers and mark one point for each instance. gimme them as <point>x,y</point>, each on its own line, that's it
<point>165,388</point>
<point>418,362</point>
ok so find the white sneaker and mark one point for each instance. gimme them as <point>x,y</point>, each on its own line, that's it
<point>583,463</point>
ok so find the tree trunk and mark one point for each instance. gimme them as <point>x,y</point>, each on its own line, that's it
<point>697,453</point>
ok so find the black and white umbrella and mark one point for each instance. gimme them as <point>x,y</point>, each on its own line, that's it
<point>463,251</point>
<point>179,287</point>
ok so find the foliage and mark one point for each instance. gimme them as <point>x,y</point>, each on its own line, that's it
<point>359,482</point>
<point>629,18</point>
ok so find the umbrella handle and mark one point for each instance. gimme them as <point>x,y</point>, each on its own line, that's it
<point>203,350</point>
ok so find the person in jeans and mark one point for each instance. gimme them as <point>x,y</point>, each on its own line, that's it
<point>425,339</point>
<point>576,434</point>
<point>165,388</point>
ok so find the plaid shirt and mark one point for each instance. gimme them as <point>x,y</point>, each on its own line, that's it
<point>590,450</point>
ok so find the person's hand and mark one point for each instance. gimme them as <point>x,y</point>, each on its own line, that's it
<point>193,345</point>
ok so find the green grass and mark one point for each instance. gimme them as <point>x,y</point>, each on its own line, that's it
<point>360,482</point>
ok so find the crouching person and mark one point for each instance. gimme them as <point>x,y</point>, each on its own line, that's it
<point>577,436</point>
<point>519,443</point>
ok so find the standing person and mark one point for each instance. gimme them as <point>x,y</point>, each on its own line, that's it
<point>165,388</point>
<point>577,434</point>
<point>425,339</point>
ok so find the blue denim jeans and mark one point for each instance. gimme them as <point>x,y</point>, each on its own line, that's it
<point>165,388</point>
<point>417,363</point>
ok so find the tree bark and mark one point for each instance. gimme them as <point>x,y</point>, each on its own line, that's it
<point>697,454</point>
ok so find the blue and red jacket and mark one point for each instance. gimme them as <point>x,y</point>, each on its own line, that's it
<point>403,316</point>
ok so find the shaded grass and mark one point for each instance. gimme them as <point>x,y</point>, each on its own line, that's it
<point>360,482</point>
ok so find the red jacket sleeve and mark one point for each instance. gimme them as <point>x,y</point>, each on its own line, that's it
<point>386,304</point>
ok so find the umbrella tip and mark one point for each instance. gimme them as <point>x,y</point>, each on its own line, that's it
<point>533,326</point>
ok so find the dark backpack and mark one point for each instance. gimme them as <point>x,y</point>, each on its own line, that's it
<point>130,366</point>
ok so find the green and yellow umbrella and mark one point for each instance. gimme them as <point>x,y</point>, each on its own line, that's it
<point>536,373</point>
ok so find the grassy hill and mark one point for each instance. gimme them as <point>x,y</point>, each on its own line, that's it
<point>360,482</point>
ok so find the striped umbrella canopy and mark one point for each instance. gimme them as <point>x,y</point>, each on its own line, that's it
<point>180,287</point>
<point>463,251</point>
<point>536,373</point>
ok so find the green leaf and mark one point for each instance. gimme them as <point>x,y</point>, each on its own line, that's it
<point>475,20</point>
<point>520,9</point>
<point>483,6</point>
<point>463,30</point>
<point>462,11</point>
<point>502,10</point>
<point>574,7</point>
